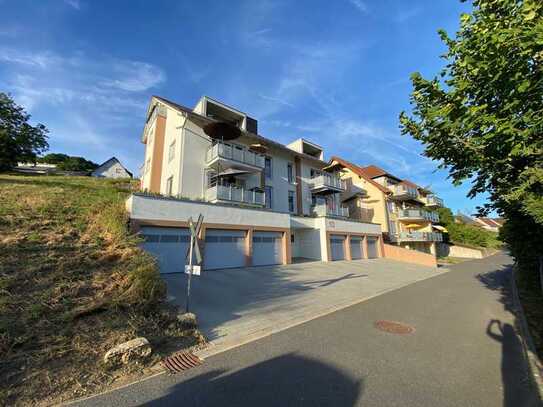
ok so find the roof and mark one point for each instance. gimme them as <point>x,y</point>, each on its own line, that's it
<point>111,160</point>
<point>360,172</point>
<point>374,171</point>
<point>204,120</point>
<point>489,222</point>
<point>410,184</point>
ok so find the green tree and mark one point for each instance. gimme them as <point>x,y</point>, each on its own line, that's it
<point>77,164</point>
<point>19,141</point>
<point>482,116</point>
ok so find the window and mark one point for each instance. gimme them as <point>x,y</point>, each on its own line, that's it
<point>169,185</point>
<point>290,173</point>
<point>171,151</point>
<point>291,201</point>
<point>148,165</point>
<point>268,197</point>
<point>268,167</point>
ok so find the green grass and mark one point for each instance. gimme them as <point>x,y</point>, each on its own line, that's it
<point>73,283</point>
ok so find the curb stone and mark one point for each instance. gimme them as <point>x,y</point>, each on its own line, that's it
<point>536,368</point>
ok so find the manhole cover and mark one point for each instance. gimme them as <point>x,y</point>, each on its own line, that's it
<point>394,327</point>
<point>180,361</point>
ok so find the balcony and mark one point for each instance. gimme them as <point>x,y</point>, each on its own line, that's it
<point>234,156</point>
<point>234,194</point>
<point>417,237</point>
<point>418,215</point>
<point>404,193</point>
<point>326,183</point>
<point>434,202</point>
<point>324,210</point>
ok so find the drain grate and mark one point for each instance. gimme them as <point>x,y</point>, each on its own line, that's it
<point>394,327</point>
<point>180,361</point>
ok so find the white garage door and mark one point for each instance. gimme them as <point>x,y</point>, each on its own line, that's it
<point>168,245</point>
<point>373,251</point>
<point>356,248</point>
<point>267,248</point>
<point>337,247</point>
<point>224,249</point>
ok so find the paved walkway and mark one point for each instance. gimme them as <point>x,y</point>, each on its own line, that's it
<point>239,305</point>
<point>464,352</point>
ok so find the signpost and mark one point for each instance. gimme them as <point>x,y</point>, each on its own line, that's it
<point>194,250</point>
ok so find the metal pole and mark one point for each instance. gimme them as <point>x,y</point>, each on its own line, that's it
<point>190,272</point>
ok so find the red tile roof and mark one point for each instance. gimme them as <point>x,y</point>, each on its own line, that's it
<point>360,172</point>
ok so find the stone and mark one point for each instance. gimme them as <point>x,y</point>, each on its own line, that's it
<point>133,350</point>
<point>187,320</point>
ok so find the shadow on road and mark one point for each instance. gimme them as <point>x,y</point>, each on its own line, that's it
<point>287,380</point>
<point>518,385</point>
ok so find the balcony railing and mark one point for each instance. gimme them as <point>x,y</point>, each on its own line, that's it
<point>414,214</point>
<point>402,191</point>
<point>417,237</point>
<point>432,200</point>
<point>235,153</point>
<point>326,181</point>
<point>235,194</point>
<point>324,210</point>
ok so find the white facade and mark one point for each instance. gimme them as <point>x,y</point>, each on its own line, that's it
<point>112,168</point>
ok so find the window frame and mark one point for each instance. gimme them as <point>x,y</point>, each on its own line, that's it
<point>270,175</point>
<point>268,203</point>
<point>290,173</point>
<point>169,185</point>
<point>292,194</point>
<point>171,151</point>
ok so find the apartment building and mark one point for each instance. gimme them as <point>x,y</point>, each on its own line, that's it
<point>405,210</point>
<point>263,202</point>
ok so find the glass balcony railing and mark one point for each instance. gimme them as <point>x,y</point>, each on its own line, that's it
<point>326,181</point>
<point>417,237</point>
<point>418,214</point>
<point>402,191</point>
<point>324,210</point>
<point>234,152</point>
<point>432,200</point>
<point>235,194</point>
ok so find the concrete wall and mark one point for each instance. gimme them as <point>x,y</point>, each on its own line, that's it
<point>409,256</point>
<point>447,250</point>
<point>167,209</point>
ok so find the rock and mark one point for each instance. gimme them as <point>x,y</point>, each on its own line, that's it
<point>136,349</point>
<point>187,320</point>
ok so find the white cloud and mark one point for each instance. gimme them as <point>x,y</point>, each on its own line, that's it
<point>135,76</point>
<point>407,14</point>
<point>76,4</point>
<point>360,6</point>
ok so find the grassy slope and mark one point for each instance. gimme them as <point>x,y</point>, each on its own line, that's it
<point>73,283</point>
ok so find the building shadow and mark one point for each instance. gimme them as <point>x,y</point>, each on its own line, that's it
<point>518,385</point>
<point>287,380</point>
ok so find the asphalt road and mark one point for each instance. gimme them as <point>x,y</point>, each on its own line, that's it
<point>464,352</point>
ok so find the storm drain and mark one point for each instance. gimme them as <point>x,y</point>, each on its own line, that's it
<point>179,362</point>
<point>394,327</point>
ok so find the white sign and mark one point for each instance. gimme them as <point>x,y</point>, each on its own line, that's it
<point>195,270</point>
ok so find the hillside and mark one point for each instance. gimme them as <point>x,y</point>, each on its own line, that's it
<point>73,283</point>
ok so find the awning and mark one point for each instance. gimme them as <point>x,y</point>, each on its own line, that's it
<point>413,226</point>
<point>230,172</point>
<point>258,148</point>
<point>440,228</point>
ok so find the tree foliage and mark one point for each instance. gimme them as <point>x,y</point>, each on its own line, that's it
<point>482,116</point>
<point>68,163</point>
<point>19,140</point>
<point>466,234</point>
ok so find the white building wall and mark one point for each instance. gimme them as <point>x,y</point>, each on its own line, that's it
<point>113,170</point>
<point>279,181</point>
<point>174,120</point>
<point>193,164</point>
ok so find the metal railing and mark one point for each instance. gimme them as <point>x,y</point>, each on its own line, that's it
<point>324,210</point>
<point>402,190</point>
<point>417,237</point>
<point>327,180</point>
<point>234,152</point>
<point>432,200</point>
<point>418,214</point>
<point>234,194</point>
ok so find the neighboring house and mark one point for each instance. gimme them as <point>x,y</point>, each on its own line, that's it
<point>464,219</point>
<point>492,224</point>
<point>404,209</point>
<point>112,168</point>
<point>263,202</point>
<point>36,168</point>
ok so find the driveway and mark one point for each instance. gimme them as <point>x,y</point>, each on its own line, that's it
<point>237,306</point>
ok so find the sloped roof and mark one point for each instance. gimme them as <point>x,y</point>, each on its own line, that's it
<point>112,159</point>
<point>359,171</point>
<point>490,222</point>
<point>410,184</point>
<point>374,171</point>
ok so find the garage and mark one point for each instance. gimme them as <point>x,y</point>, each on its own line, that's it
<point>356,248</point>
<point>224,249</point>
<point>267,248</point>
<point>168,245</point>
<point>337,247</point>
<point>373,250</point>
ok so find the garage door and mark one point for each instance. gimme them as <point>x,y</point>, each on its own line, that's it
<point>267,248</point>
<point>356,248</point>
<point>168,245</point>
<point>373,251</point>
<point>224,249</point>
<point>337,247</point>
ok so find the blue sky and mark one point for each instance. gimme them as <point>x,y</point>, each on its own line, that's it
<point>336,73</point>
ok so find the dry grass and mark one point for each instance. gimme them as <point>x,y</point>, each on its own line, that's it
<point>73,283</point>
